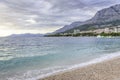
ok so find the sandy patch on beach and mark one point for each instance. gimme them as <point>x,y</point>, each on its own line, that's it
<point>107,70</point>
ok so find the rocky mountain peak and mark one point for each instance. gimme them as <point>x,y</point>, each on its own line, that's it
<point>105,17</point>
<point>107,14</point>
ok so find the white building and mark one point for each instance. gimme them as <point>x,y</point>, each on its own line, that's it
<point>106,30</point>
<point>112,29</point>
<point>117,29</point>
<point>76,31</point>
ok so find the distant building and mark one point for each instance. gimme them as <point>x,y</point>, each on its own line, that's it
<point>98,31</point>
<point>106,30</point>
<point>76,31</point>
<point>65,33</point>
<point>117,29</point>
<point>112,29</point>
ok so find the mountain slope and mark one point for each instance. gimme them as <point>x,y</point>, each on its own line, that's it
<point>104,18</point>
<point>67,27</point>
<point>108,14</point>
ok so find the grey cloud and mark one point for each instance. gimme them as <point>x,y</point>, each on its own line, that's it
<point>67,4</point>
<point>49,13</point>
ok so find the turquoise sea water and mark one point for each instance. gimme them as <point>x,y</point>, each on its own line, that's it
<point>34,57</point>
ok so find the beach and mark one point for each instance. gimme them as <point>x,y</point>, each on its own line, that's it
<point>105,70</point>
<point>63,58</point>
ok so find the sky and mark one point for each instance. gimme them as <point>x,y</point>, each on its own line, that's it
<point>45,16</point>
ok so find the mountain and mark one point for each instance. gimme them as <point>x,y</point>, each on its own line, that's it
<point>26,35</point>
<point>107,15</point>
<point>104,18</point>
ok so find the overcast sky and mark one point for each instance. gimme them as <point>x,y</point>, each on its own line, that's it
<point>43,16</point>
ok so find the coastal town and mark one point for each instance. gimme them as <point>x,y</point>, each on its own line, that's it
<point>115,29</point>
<point>106,31</point>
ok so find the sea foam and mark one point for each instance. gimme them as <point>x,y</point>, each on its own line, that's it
<point>36,74</point>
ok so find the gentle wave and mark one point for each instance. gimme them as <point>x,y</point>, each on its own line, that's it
<point>5,57</point>
<point>31,75</point>
<point>35,74</point>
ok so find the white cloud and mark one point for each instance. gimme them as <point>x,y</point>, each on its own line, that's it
<point>31,21</point>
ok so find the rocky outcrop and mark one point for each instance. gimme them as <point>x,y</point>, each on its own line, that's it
<point>106,15</point>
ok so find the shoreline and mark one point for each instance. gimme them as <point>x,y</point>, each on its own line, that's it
<point>69,74</point>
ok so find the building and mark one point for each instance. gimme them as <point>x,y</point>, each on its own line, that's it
<point>98,31</point>
<point>106,30</point>
<point>117,29</point>
<point>76,31</point>
<point>112,29</point>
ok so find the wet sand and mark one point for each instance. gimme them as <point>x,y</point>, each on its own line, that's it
<point>106,70</point>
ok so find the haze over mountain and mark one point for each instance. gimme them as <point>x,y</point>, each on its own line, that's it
<point>104,18</point>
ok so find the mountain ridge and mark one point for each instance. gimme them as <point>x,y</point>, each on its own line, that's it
<point>66,27</point>
<point>103,18</point>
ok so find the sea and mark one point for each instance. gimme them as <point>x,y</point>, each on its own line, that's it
<point>32,58</point>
